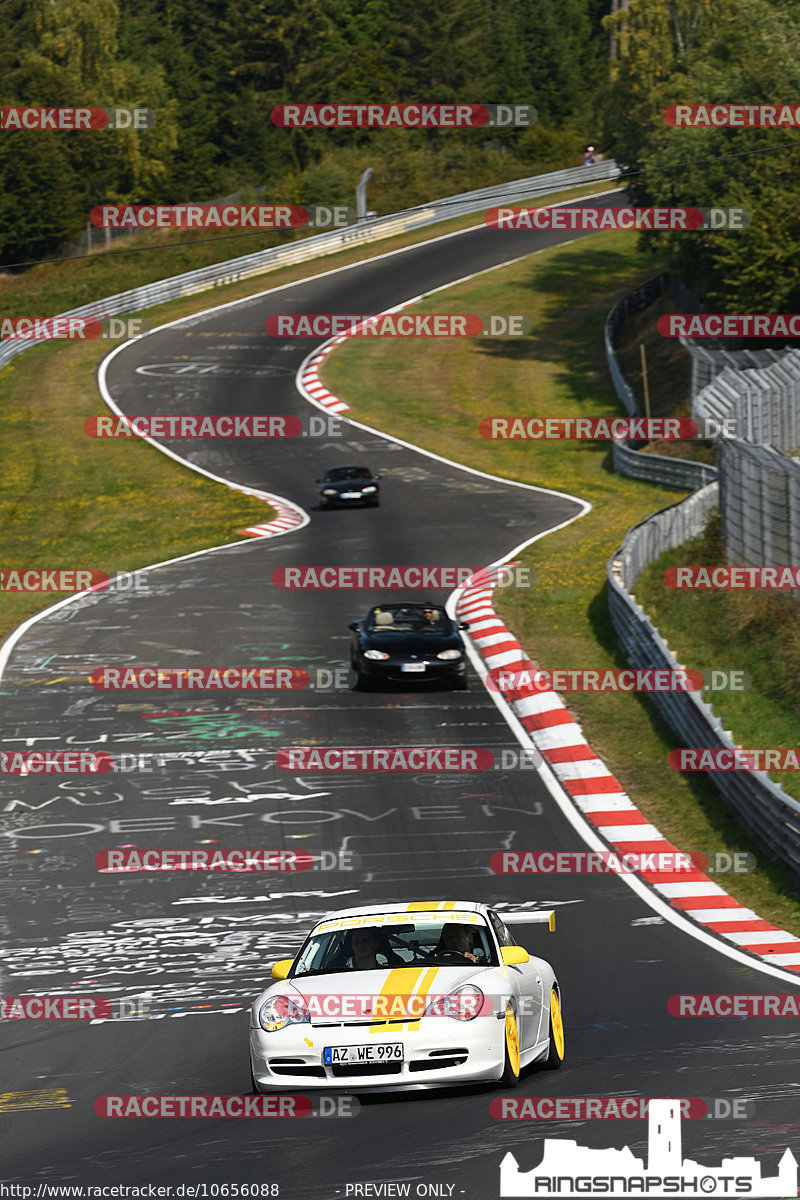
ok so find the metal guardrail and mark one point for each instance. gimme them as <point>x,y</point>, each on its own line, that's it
<point>249,265</point>
<point>679,473</point>
<point>763,808</point>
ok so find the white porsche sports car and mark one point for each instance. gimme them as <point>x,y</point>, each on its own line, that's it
<point>407,996</point>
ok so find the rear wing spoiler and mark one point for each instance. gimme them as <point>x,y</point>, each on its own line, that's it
<point>548,915</point>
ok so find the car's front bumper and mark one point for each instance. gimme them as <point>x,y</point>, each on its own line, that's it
<point>392,672</point>
<point>441,1052</point>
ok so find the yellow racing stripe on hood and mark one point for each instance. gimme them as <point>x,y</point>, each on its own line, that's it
<point>400,982</point>
<point>424,987</point>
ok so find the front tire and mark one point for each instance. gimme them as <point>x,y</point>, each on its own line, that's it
<point>510,1076</point>
<point>555,1055</point>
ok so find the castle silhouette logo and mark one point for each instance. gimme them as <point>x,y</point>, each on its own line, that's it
<point>568,1169</point>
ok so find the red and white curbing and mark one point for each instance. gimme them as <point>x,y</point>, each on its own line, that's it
<point>309,378</point>
<point>289,516</point>
<point>600,797</point>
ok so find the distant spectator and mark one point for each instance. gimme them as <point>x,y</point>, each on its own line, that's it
<point>588,156</point>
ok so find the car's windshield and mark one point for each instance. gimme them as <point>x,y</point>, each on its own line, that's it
<point>454,940</point>
<point>340,474</point>
<point>406,618</point>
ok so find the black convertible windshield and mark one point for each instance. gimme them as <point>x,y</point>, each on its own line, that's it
<point>407,618</point>
<point>384,946</point>
<point>341,474</point>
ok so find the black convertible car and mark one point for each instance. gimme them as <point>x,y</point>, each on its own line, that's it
<point>408,643</point>
<point>349,486</point>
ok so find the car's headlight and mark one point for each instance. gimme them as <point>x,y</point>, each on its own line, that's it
<point>371,488</point>
<point>330,492</point>
<point>449,655</point>
<point>279,1011</point>
<point>376,655</point>
<point>464,1004</point>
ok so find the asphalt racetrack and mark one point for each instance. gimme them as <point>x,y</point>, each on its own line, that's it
<point>191,951</point>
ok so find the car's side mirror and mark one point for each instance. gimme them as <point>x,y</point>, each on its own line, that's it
<point>514,956</point>
<point>376,476</point>
<point>282,968</point>
<point>354,625</point>
<point>463,624</point>
<point>317,481</point>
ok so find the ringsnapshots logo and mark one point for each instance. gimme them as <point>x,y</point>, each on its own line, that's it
<point>598,220</point>
<point>75,120</point>
<point>76,329</point>
<point>568,1169</point>
<point>210,425</point>
<point>387,324</point>
<point>221,216</point>
<point>404,116</point>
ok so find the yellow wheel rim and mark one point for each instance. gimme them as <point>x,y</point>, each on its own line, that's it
<point>557,1024</point>
<point>512,1040</point>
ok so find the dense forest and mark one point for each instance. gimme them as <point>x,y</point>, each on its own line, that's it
<point>599,71</point>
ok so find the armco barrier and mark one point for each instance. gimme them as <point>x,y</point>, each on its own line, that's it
<point>682,474</point>
<point>763,808</point>
<point>304,249</point>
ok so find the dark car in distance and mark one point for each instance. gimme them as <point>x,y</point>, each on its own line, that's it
<point>408,643</point>
<point>349,486</point>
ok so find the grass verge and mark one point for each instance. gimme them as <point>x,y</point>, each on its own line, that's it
<point>435,393</point>
<point>744,631</point>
